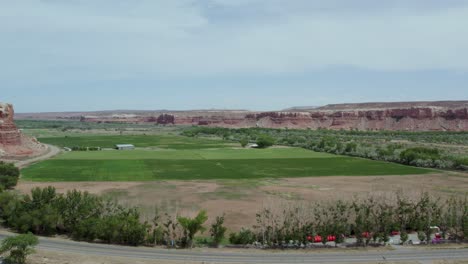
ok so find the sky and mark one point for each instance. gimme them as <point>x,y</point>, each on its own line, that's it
<point>80,55</point>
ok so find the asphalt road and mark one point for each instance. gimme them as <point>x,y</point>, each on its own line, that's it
<point>400,254</point>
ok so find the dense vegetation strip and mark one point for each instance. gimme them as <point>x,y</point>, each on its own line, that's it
<point>87,217</point>
<point>142,141</point>
<point>84,216</point>
<point>444,150</point>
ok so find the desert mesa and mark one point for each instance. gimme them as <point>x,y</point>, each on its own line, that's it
<point>396,116</point>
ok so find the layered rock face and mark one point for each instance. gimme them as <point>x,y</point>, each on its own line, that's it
<point>410,116</point>
<point>12,142</point>
<point>9,134</point>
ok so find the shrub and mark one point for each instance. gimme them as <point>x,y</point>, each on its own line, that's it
<point>404,237</point>
<point>191,226</point>
<point>421,236</point>
<point>18,247</point>
<point>9,175</point>
<point>419,153</point>
<point>218,230</point>
<point>244,141</point>
<point>265,141</point>
<point>244,237</point>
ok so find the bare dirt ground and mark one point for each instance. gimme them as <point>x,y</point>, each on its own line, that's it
<point>241,199</point>
<point>51,152</point>
<point>48,257</point>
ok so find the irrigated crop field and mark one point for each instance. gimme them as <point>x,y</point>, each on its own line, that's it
<point>181,175</point>
<point>181,158</point>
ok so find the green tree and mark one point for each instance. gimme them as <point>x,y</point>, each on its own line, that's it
<point>410,155</point>
<point>244,141</point>
<point>76,207</point>
<point>18,248</point>
<point>350,147</point>
<point>36,213</point>
<point>123,227</point>
<point>218,230</point>
<point>403,237</point>
<point>363,220</point>
<point>429,214</point>
<point>384,221</point>
<point>191,226</point>
<point>244,237</point>
<point>421,236</point>
<point>265,141</point>
<point>9,175</point>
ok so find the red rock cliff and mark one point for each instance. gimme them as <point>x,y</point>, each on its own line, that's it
<point>9,134</point>
<point>12,142</point>
<point>411,116</point>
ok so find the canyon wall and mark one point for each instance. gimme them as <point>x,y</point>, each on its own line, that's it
<point>410,116</point>
<point>412,119</point>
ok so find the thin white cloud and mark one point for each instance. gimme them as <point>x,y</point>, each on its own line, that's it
<point>182,37</point>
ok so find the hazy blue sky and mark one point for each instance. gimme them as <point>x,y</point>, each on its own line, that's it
<point>59,55</point>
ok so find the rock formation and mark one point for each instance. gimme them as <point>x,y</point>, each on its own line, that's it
<point>12,142</point>
<point>411,116</point>
<point>9,134</point>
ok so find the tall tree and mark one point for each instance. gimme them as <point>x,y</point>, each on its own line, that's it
<point>18,248</point>
<point>191,226</point>
<point>9,175</point>
<point>218,231</point>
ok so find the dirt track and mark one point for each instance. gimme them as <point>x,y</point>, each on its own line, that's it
<point>51,152</point>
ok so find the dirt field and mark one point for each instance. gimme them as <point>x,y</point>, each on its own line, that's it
<point>241,199</point>
<point>47,257</point>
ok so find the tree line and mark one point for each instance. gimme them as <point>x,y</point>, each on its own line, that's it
<point>377,145</point>
<point>86,217</point>
<point>372,219</point>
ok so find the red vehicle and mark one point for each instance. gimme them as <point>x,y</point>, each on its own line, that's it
<point>395,233</point>
<point>318,239</point>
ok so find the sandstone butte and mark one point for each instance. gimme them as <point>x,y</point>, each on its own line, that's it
<point>408,116</point>
<point>13,144</point>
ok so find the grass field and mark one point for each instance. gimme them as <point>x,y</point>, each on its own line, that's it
<point>181,158</point>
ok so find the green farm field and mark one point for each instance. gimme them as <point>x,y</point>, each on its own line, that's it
<point>179,158</point>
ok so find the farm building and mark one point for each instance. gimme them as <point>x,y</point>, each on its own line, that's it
<point>124,146</point>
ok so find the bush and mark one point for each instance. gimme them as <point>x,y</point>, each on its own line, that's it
<point>419,153</point>
<point>421,236</point>
<point>81,148</point>
<point>218,231</point>
<point>18,247</point>
<point>265,141</point>
<point>124,227</point>
<point>244,142</point>
<point>404,237</point>
<point>191,226</point>
<point>244,237</point>
<point>9,175</point>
